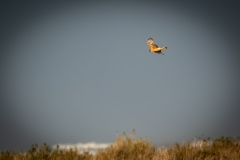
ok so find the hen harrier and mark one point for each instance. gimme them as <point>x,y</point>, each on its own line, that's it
<point>154,47</point>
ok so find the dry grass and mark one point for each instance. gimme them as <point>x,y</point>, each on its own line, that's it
<point>126,147</point>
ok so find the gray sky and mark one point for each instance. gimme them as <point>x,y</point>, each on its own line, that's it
<point>81,72</point>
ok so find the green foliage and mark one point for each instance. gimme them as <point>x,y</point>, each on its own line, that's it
<point>126,147</point>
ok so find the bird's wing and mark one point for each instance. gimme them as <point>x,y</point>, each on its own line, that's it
<point>153,46</point>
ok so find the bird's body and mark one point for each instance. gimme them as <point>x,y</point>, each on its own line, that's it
<point>154,48</point>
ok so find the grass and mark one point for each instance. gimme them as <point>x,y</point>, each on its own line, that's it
<point>126,147</point>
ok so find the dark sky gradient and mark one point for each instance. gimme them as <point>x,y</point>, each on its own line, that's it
<point>80,71</point>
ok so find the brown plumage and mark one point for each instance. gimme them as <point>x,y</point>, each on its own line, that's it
<point>154,48</point>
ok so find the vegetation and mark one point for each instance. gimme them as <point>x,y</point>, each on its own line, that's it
<point>126,147</point>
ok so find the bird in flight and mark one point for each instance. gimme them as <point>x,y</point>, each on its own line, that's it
<point>154,48</point>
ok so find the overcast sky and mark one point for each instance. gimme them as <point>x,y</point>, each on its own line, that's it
<point>80,72</point>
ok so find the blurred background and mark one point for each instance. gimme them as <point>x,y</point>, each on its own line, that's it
<point>80,71</point>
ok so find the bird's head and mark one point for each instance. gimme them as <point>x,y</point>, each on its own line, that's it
<point>150,41</point>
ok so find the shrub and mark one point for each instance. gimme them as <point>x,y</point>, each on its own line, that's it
<point>126,147</point>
